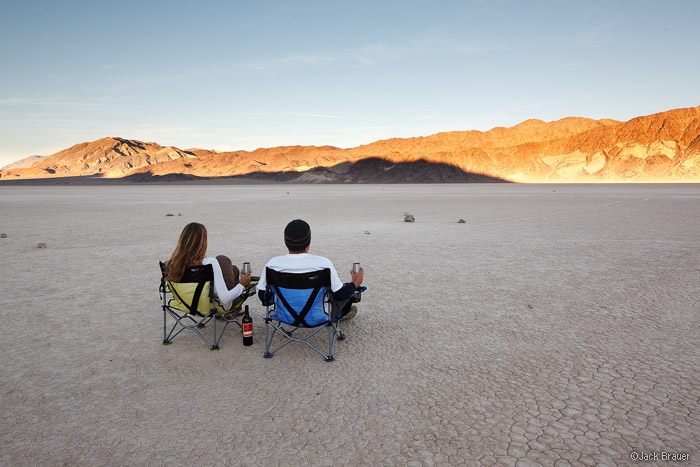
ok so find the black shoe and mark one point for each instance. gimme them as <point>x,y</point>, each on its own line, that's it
<point>350,314</point>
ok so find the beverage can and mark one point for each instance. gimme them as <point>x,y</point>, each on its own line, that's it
<point>355,267</point>
<point>246,268</point>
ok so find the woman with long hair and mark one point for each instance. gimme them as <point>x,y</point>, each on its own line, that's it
<point>191,250</point>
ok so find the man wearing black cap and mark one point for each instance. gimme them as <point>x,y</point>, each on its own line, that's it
<point>297,237</point>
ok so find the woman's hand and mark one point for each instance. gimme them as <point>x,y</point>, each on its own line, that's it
<point>245,279</point>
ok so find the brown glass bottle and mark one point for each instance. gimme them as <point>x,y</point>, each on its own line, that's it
<point>247,323</point>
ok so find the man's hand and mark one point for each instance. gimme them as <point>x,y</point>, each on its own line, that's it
<point>245,279</point>
<point>358,277</point>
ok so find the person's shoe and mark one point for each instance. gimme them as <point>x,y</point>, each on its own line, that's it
<point>350,314</point>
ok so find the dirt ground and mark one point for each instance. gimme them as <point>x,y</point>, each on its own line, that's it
<point>558,325</point>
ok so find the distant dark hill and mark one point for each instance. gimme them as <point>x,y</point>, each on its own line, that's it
<point>377,170</point>
<point>372,170</point>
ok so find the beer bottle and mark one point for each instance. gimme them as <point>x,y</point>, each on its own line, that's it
<point>247,322</point>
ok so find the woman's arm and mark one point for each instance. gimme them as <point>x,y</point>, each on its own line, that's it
<point>226,296</point>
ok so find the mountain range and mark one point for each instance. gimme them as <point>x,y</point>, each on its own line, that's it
<point>662,147</point>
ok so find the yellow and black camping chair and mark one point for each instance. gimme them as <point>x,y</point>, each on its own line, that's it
<point>192,304</point>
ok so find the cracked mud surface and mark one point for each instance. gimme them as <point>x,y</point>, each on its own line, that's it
<point>558,326</point>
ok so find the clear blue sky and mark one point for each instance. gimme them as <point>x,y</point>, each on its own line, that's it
<point>231,75</point>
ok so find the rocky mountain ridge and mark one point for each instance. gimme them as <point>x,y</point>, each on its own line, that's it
<point>655,148</point>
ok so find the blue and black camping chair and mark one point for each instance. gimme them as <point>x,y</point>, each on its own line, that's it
<point>192,304</point>
<point>300,300</point>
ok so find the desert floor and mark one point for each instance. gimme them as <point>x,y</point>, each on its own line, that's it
<point>559,324</point>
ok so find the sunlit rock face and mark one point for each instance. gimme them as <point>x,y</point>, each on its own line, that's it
<point>663,147</point>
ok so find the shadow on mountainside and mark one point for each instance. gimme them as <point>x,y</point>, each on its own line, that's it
<point>371,170</point>
<point>378,170</point>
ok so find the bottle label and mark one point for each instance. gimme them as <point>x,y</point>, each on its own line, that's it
<point>247,329</point>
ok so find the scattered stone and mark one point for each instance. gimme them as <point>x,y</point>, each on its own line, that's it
<point>179,214</point>
<point>41,245</point>
<point>462,221</point>
<point>3,235</point>
<point>169,215</point>
<point>366,232</point>
<point>409,218</point>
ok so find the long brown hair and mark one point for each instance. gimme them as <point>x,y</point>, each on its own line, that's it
<point>190,251</point>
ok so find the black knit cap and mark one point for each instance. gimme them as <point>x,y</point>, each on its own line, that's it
<point>297,235</point>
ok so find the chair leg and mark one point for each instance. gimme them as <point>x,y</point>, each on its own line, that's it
<point>165,328</point>
<point>341,336</point>
<point>214,339</point>
<point>331,338</point>
<point>333,332</point>
<point>268,340</point>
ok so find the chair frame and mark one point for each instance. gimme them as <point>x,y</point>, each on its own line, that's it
<point>184,320</point>
<point>287,330</point>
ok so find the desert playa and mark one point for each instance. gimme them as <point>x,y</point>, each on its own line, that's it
<point>559,325</point>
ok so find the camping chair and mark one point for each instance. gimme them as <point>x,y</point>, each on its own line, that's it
<point>300,300</point>
<point>192,304</point>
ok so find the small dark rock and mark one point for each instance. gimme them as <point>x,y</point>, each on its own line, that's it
<point>462,221</point>
<point>409,218</point>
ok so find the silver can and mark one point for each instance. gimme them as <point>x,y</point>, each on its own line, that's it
<point>355,267</point>
<point>246,268</point>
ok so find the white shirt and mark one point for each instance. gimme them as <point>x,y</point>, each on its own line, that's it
<point>226,297</point>
<point>300,263</point>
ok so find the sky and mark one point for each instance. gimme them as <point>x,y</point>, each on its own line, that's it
<point>232,75</point>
